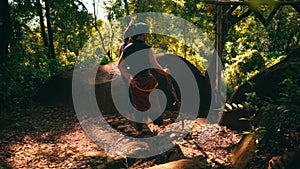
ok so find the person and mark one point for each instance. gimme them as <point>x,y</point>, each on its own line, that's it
<point>127,37</point>
<point>135,57</point>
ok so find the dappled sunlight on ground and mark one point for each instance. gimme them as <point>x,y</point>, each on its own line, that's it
<point>48,137</point>
<point>64,146</point>
<point>67,151</point>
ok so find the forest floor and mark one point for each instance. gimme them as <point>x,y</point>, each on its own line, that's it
<point>51,137</point>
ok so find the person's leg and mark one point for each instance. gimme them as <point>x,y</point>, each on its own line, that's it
<point>128,107</point>
<point>138,121</point>
<point>156,110</point>
<point>135,96</point>
<point>159,121</point>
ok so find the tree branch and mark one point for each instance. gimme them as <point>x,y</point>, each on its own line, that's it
<point>270,17</point>
<point>97,29</point>
<point>258,15</point>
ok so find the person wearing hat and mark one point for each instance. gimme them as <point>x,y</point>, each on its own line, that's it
<point>136,62</point>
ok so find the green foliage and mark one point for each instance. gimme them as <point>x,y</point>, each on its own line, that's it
<point>162,43</point>
<point>105,60</point>
<point>193,11</point>
<point>20,81</point>
<point>276,120</point>
<point>232,107</point>
<point>243,57</point>
<point>292,91</point>
<point>250,47</point>
<point>101,45</point>
<point>291,84</point>
<point>29,64</point>
<point>280,121</point>
<point>284,30</point>
<point>72,28</point>
<point>243,67</point>
<point>252,108</point>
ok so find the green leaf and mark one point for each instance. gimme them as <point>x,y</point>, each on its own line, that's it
<point>244,119</point>
<point>240,106</point>
<point>235,105</point>
<point>228,106</point>
<point>262,131</point>
<point>246,132</point>
<point>260,128</point>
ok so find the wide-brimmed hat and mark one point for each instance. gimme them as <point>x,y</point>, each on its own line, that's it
<point>141,28</point>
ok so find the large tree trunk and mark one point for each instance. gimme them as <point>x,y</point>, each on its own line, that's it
<point>50,33</point>
<point>5,30</point>
<point>43,28</point>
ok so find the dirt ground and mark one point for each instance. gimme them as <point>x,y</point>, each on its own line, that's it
<point>51,137</point>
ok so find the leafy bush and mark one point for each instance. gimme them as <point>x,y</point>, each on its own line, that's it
<point>20,79</point>
<point>243,67</point>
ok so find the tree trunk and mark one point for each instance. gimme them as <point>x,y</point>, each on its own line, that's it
<point>126,7</point>
<point>5,30</point>
<point>43,28</point>
<point>50,33</point>
<point>99,32</point>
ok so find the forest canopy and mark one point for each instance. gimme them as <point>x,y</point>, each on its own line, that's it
<point>41,38</point>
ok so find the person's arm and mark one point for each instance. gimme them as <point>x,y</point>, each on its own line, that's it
<point>121,47</point>
<point>122,67</point>
<point>155,64</point>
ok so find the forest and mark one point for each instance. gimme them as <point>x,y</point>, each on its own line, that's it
<point>42,41</point>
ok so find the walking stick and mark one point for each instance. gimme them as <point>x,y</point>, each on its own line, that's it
<point>173,91</point>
